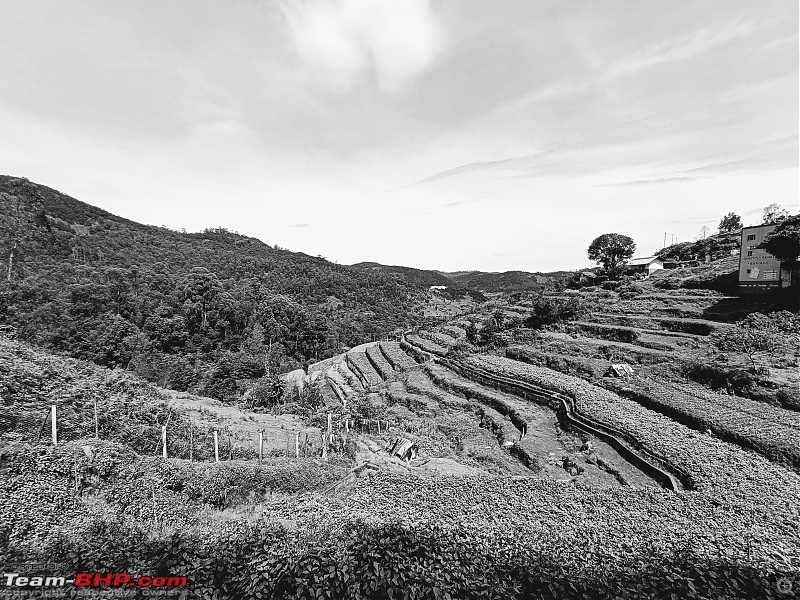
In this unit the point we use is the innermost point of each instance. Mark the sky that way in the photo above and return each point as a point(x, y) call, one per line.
point(446, 134)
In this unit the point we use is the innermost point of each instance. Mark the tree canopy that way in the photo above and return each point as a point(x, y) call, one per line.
point(730, 223)
point(784, 241)
point(612, 251)
point(774, 214)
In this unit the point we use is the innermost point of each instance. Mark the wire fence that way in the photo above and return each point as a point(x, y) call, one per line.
point(172, 433)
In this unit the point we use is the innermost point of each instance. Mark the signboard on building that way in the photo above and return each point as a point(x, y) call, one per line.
point(757, 268)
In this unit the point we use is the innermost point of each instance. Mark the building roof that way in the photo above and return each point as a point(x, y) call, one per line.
point(641, 262)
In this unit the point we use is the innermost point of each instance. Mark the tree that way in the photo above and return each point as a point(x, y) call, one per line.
point(499, 317)
point(472, 332)
point(612, 250)
point(20, 211)
point(730, 223)
point(757, 335)
point(774, 214)
point(704, 232)
point(549, 311)
point(784, 241)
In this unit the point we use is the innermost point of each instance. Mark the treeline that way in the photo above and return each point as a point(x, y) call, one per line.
point(187, 310)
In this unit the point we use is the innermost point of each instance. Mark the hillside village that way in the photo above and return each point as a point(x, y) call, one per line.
point(270, 424)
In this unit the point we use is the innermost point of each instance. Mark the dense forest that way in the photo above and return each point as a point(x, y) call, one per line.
point(187, 310)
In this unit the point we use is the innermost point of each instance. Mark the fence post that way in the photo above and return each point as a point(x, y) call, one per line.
point(324, 446)
point(216, 447)
point(191, 442)
point(379, 425)
point(75, 462)
point(260, 446)
point(297, 445)
point(230, 446)
point(346, 426)
point(164, 439)
point(96, 422)
point(53, 426)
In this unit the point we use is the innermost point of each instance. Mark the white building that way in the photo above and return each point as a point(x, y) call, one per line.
point(647, 265)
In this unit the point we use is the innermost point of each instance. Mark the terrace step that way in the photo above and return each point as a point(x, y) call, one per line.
point(644, 459)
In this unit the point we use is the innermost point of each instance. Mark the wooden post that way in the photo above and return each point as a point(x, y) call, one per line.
point(305, 445)
point(330, 416)
point(41, 427)
point(191, 442)
point(230, 446)
point(324, 446)
point(53, 425)
point(216, 447)
point(346, 426)
point(96, 422)
point(297, 445)
point(260, 446)
point(379, 425)
point(164, 440)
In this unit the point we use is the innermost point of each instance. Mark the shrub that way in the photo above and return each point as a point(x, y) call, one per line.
point(266, 392)
point(547, 310)
point(614, 333)
point(630, 291)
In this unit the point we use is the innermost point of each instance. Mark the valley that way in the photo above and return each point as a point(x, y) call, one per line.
point(239, 427)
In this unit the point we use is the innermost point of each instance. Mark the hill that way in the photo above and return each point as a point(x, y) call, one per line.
point(177, 306)
point(423, 279)
point(508, 281)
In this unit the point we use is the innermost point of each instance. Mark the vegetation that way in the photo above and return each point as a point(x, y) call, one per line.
point(774, 214)
point(730, 223)
point(784, 241)
point(224, 315)
point(549, 310)
point(759, 335)
point(612, 251)
point(190, 311)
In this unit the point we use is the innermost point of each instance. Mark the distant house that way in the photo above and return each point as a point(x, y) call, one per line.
point(587, 277)
point(438, 287)
point(647, 265)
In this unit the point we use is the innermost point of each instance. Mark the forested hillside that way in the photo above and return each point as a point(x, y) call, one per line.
point(508, 281)
point(424, 278)
point(176, 307)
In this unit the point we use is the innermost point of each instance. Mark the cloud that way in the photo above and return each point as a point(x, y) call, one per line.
point(687, 47)
point(651, 181)
point(463, 169)
point(464, 201)
point(340, 40)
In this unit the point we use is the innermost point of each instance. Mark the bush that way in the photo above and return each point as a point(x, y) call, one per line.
point(630, 291)
point(718, 376)
point(614, 333)
point(549, 311)
point(266, 392)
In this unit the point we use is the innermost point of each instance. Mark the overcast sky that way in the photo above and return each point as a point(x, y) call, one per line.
point(456, 134)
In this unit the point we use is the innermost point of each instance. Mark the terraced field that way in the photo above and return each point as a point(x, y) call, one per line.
point(361, 366)
point(501, 493)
